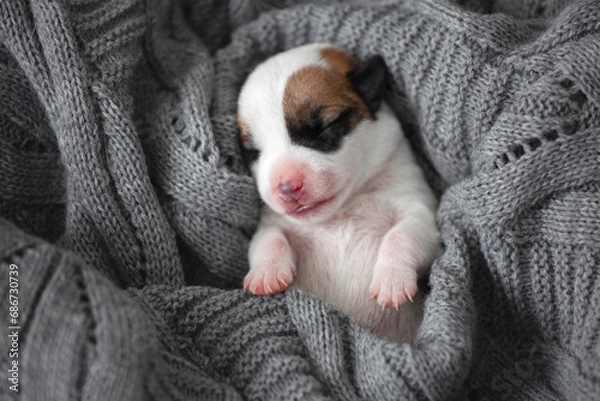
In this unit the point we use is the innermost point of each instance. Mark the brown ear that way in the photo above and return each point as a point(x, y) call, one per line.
point(244, 131)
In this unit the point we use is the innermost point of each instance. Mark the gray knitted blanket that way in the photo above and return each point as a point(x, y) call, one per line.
point(126, 209)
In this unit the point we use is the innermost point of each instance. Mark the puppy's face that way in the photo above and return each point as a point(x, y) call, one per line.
point(308, 123)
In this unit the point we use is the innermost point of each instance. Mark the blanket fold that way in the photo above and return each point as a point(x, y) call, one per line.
point(127, 210)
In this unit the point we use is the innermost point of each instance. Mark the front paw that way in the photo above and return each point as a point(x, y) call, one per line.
point(393, 287)
point(269, 280)
point(272, 267)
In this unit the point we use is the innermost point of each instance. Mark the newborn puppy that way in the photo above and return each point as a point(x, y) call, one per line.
point(348, 215)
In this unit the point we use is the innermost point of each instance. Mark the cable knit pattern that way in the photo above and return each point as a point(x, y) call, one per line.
point(127, 208)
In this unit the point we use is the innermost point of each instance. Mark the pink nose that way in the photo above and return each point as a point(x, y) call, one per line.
point(291, 191)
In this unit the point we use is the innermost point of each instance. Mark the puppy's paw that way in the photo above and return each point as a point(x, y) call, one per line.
point(271, 266)
point(269, 280)
point(393, 287)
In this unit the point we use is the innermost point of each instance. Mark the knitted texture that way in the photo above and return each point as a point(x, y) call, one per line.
point(127, 209)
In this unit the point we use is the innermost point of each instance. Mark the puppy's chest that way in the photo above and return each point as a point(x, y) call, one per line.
point(346, 246)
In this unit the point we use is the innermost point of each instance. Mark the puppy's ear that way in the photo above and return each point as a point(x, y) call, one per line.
point(370, 80)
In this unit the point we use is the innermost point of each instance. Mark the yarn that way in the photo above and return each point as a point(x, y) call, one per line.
point(126, 205)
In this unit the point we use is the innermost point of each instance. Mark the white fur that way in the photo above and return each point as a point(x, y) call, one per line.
point(376, 236)
point(261, 106)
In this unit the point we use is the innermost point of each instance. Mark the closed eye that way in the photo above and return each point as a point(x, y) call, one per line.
point(341, 121)
point(250, 155)
point(324, 136)
point(248, 151)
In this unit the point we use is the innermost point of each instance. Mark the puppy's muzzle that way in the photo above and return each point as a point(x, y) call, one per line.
point(291, 191)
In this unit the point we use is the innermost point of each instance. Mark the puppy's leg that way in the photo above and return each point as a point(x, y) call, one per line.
point(406, 253)
point(272, 264)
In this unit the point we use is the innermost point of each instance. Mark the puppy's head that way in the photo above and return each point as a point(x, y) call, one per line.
point(312, 129)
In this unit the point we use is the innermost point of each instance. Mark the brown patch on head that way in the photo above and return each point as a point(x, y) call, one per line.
point(326, 88)
point(244, 131)
point(338, 60)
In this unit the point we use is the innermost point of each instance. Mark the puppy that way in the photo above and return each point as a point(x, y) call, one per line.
point(348, 215)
